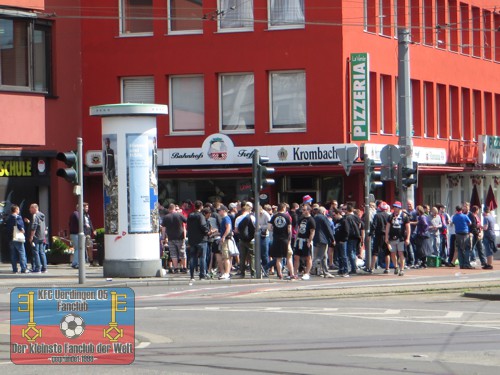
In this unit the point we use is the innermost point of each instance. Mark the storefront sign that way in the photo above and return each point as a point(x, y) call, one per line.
point(424, 155)
point(489, 149)
point(218, 149)
point(360, 97)
point(15, 168)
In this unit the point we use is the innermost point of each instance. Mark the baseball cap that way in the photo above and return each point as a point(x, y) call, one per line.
point(397, 204)
point(307, 199)
point(249, 204)
point(383, 206)
point(232, 205)
point(222, 208)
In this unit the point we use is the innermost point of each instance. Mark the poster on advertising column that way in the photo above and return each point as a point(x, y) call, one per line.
point(110, 183)
point(142, 183)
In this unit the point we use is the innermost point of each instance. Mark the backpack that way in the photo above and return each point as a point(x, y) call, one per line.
point(352, 227)
point(246, 229)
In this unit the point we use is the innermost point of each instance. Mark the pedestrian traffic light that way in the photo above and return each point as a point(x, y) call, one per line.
point(410, 175)
point(372, 177)
point(70, 174)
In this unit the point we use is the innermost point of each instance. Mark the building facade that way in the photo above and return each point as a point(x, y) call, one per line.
point(277, 76)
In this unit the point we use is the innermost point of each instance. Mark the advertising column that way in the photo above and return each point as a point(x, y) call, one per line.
point(130, 188)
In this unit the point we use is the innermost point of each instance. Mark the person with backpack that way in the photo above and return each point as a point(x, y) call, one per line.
point(397, 236)
point(303, 243)
point(245, 228)
point(377, 229)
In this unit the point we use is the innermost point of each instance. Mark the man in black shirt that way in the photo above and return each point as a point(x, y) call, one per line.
point(197, 231)
point(174, 236)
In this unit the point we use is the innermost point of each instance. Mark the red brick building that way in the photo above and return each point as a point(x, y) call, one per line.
point(276, 76)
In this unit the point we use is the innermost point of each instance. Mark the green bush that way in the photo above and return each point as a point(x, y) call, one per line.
point(59, 247)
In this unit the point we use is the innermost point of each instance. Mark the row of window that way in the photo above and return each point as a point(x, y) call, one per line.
point(444, 24)
point(287, 96)
point(187, 16)
point(25, 54)
point(439, 111)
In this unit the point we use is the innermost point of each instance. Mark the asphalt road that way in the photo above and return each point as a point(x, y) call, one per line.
point(299, 329)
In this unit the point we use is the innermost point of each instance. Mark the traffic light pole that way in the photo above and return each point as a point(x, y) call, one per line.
point(256, 205)
point(405, 112)
point(368, 242)
point(81, 234)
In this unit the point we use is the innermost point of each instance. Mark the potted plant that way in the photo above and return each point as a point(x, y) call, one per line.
point(99, 240)
point(60, 251)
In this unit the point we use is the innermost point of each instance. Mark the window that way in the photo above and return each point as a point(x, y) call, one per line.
point(237, 102)
point(25, 55)
point(384, 17)
point(465, 28)
point(441, 32)
point(138, 90)
point(370, 15)
point(427, 20)
point(465, 115)
point(477, 115)
point(476, 32)
point(235, 14)
point(415, 20)
point(385, 104)
point(488, 42)
point(453, 20)
point(187, 104)
point(441, 111)
point(136, 17)
point(288, 100)
point(428, 109)
point(286, 13)
point(454, 113)
point(185, 16)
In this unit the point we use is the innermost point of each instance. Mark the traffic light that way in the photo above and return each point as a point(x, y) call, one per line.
point(70, 174)
point(260, 173)
point(372, 177)
point(410, 175)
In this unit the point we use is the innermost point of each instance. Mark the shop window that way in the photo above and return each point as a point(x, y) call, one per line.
point(235, 15)
point(25, 55)
point(187, 104)
point(286, 14)
point(237, 102)
point(138, 90)
point(288, 100)
point(136, 17)
point(185, 16)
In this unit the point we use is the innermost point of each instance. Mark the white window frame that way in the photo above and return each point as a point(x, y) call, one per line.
point(138, 85)
point(122, 23)
point(248, 79)
point(181, 32)
point(172, 108)
point(222, 5)
point(271, 102)
point(285, 25)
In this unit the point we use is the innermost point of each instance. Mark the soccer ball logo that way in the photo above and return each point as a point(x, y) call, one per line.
point(72, 326)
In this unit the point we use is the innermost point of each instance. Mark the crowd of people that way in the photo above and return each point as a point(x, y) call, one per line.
point(297, 241)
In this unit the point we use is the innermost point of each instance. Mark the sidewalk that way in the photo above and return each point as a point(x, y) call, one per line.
point(479, 283)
